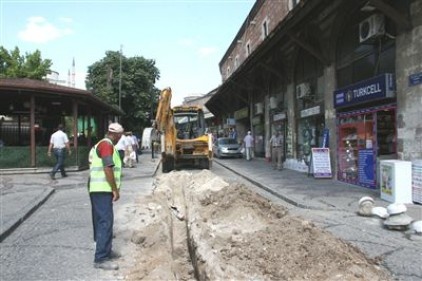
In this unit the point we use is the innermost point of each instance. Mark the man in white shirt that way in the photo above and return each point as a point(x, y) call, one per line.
point(58, 143)
point(129, 158)
point(248, 142)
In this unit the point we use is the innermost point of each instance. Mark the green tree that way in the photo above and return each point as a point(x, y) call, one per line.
point(138, 93)
point(30, 65)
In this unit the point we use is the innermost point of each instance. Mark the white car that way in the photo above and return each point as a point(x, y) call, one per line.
point(227, 147)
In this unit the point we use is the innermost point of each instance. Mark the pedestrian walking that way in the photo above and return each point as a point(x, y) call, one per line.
point(104, 186)
point(248, 143)
point(130, 157)
point(233, 133)
point(120, 146)
point(58, 143)
point(276, 145)
point(135, 141)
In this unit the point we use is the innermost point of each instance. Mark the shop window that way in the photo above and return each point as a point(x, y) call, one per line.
point(363, 140)
point(386, 132)
point(310, 134)
point(355, 135)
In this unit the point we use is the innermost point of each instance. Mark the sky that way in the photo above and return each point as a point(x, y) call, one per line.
point(187, 39)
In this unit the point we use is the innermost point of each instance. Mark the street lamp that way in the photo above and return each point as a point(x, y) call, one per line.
point(120, 79)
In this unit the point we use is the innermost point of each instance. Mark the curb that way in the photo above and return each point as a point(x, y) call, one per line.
point(266, 188)
point(8, 229)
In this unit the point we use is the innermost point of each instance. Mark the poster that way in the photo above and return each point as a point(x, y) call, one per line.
point(386, 180)
point(366, 168)
point(321, 164)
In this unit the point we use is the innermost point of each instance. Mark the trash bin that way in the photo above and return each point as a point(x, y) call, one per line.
point(396, 181)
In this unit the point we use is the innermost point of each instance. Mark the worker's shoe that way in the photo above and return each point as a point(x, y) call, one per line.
point(114, 255)
point(106, 265)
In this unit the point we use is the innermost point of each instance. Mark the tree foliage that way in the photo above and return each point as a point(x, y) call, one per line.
point(138, 95)
point(30, 65)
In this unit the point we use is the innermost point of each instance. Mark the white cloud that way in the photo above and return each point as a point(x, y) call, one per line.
point(206, 51)
point(66, 19)
point(39, 30)
point(186, 42)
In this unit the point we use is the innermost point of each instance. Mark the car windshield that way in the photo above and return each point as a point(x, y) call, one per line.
point(227, 141)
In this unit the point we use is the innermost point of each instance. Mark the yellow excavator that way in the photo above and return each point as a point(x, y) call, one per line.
point(183, 136)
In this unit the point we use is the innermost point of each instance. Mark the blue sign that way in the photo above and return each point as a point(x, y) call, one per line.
point(325, 138)
point(378, 87)
point(366, 164)
point(415, 79)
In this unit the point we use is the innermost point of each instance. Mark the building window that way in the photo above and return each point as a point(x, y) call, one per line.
point(293, 3)
point(248, 49)
point(358, 61)
point(265, 29)
point(236, 62)
point(228, 71)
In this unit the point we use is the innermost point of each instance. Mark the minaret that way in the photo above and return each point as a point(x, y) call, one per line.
point(68, 77)
point(73, 73)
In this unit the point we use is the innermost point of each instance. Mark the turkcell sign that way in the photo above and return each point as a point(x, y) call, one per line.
point(378, 87)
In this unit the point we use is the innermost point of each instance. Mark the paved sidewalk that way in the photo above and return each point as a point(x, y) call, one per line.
point(333, 206)
point(305, 191)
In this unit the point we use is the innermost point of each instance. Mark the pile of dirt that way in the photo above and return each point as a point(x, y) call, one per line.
point(234, 234)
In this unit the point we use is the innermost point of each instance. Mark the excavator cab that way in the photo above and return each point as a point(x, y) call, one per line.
point(184, 140)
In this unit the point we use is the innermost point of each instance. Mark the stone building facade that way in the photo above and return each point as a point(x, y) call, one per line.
point(346, 75)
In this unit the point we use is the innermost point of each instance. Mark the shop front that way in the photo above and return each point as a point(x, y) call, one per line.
point(366, 129)
point(242, 122)
point(310, 131)
point(279, 123)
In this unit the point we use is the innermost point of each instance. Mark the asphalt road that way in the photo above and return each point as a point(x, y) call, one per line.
point(55, 242)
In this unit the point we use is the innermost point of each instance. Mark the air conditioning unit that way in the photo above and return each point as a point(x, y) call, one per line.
point(259, 108)
point(303, 90)
point(371, 27)
point(273, 102)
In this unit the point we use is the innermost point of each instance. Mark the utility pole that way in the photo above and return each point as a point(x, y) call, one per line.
point(120, 78)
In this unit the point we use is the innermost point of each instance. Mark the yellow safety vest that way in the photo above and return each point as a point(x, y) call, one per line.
point(98, 181)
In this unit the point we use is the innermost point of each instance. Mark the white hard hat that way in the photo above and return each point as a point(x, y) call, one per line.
point(115, 128)
point(380, 212)
point(398, 222)
point(417, 227)
point(396, 208)
point(366, 198)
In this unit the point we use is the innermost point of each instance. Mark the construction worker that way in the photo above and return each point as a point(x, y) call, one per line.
point(104, 185)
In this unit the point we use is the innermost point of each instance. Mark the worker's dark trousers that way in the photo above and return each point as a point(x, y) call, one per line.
point(102, 216)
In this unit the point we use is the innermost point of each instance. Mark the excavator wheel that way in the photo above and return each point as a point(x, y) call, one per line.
point(205, 164)
point(167, 164)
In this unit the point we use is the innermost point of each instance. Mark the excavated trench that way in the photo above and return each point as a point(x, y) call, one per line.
point(195, 226)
